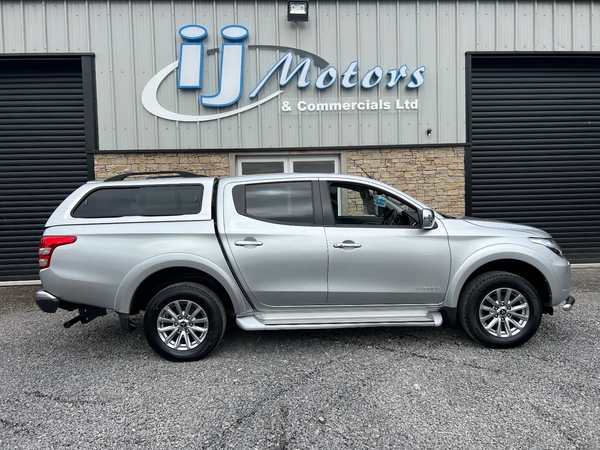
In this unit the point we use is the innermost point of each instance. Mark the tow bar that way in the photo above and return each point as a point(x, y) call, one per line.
point(86, 315)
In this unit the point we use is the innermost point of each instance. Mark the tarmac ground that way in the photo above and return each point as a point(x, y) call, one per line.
point(94, 386)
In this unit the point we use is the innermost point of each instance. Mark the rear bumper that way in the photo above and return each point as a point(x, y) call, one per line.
point(46, 301)
point(50, 303)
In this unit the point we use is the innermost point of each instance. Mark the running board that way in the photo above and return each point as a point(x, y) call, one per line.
point(349, 318)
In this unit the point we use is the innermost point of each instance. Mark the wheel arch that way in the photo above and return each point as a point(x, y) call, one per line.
point(516, 267)
point(156, 282)
point(518, 263)
point(147, 279)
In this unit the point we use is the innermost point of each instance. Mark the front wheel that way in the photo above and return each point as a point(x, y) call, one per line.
point(184, 322)
point(500, 309)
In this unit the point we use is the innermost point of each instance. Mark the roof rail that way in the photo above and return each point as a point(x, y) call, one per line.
point(166, 174)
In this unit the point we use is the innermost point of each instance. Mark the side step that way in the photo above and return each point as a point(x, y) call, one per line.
point(346, 318)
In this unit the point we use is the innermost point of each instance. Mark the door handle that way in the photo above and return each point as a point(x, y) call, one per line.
point(245, 243)
point(346, 244)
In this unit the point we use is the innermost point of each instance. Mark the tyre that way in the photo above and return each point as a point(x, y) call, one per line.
point(184, 322)
point(500, 309)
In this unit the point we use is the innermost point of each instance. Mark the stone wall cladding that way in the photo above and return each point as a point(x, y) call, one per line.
point(435, 176)
point(212, 164)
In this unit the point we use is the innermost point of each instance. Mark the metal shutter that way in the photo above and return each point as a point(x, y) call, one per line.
point(42, 153)
point(535, 154)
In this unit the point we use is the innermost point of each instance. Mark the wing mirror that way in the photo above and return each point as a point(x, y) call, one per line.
point(427, 217)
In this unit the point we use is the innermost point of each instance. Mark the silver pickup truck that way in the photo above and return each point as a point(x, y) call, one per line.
point(290, 251)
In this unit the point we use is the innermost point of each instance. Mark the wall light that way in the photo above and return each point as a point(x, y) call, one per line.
point(297, 12)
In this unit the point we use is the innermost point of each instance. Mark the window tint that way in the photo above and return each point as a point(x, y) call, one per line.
point(141, 201)
point(289, 203)
point(354, 204)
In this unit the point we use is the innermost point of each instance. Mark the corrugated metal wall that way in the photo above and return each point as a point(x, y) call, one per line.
point(133, 40)
point(42, 153)
point(536, 146)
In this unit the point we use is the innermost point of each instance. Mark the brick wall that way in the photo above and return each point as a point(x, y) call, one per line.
point(434, 176)
point(213, 164)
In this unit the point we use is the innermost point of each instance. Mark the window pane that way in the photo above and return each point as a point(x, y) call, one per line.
point(281, 202)
point(359, 205)
point(314, 166)
point(141, 201)
point(171, 200)
point(251, 168)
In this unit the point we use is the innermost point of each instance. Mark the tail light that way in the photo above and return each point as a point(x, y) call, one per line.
point(47, 246)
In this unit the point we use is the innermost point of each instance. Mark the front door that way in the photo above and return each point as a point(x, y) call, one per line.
point(378, 253)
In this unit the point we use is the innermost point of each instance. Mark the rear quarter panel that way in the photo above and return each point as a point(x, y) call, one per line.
point(91, 270)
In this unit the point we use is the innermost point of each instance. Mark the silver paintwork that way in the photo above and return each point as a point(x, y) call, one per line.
point(389, 266)
point(110, 261)
point(288, 269)
point(62, 214)
point(474, 243)
point(284, 276)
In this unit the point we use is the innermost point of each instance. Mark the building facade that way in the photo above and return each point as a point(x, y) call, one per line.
point(487, 108)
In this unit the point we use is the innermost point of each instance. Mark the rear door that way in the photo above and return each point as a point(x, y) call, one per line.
point(276, 241)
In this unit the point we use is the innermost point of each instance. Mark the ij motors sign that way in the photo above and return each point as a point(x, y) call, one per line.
point(190, 66)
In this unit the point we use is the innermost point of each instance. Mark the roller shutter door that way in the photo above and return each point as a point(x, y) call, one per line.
point(42, 153)
point(535, 153)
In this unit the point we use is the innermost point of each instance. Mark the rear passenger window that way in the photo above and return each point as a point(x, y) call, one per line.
point(288, 203)
point(141, 201)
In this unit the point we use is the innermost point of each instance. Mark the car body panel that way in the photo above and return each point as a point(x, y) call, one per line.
point(62, 216)
point(300, 276)
point(288, 269)
point(94, 269)
point(472, 246)
point(402, 265)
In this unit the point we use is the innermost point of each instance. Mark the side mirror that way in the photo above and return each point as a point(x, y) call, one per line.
point(427, 218)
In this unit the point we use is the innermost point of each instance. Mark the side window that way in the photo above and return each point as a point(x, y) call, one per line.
point(141, 201)
point(288, 203)
point(355, 204)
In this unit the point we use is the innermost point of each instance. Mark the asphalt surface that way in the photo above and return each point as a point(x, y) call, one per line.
point(93, 386)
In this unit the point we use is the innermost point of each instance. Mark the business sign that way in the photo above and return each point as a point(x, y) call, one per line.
point(190, 68)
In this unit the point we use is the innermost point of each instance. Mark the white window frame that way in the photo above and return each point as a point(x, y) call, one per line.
point(288, 161)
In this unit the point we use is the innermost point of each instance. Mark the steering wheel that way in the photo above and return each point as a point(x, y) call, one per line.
point(406, 219)
point(390, 217)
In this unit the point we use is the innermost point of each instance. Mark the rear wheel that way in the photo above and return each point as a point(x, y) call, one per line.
point(184, 322)
point(500, 309)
